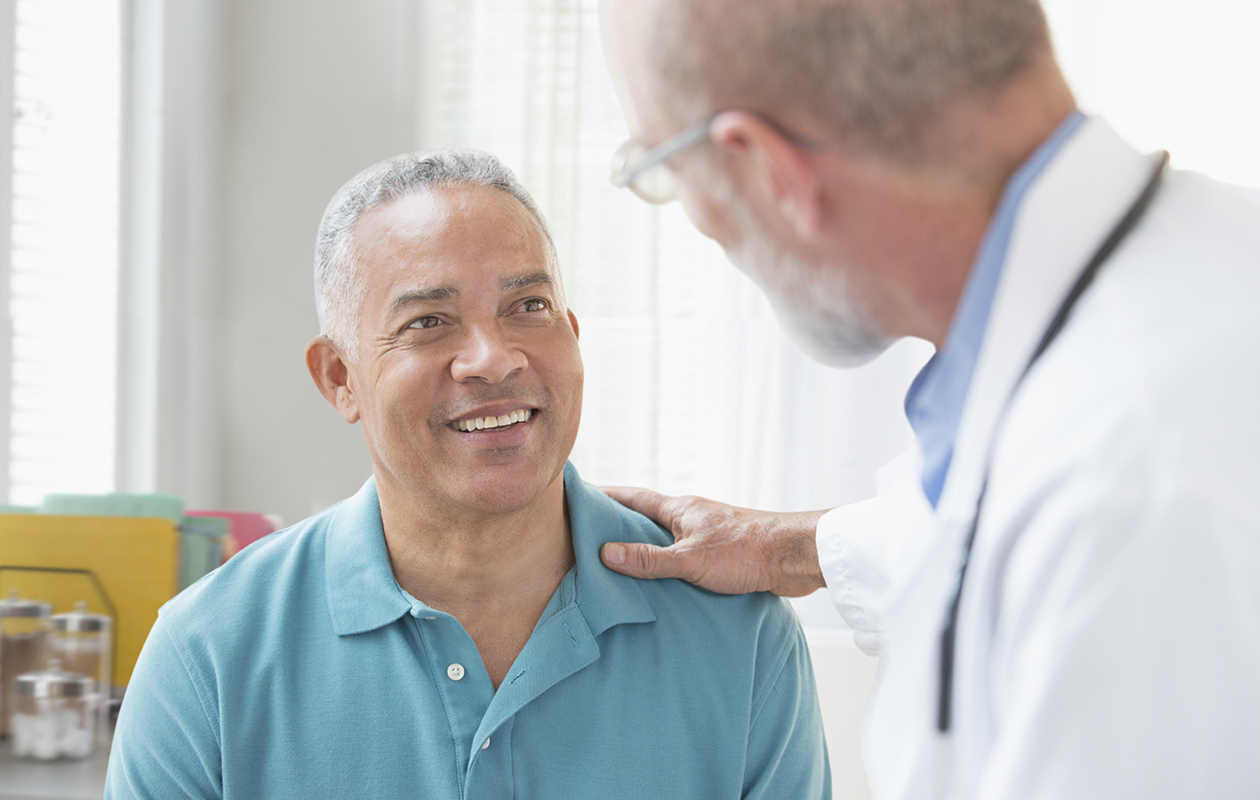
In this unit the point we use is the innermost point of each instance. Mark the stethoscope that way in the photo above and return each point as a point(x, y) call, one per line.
point(1130, 220)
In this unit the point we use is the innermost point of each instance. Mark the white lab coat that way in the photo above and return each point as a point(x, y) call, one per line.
point(1109, 633)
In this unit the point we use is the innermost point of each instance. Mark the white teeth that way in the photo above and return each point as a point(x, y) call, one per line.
point(481, 423)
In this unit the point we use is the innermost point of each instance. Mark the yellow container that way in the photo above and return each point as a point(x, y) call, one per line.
point(135, 559)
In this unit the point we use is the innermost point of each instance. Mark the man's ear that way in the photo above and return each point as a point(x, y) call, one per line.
point(573, 323)
point(328, 367)
point(784, 170)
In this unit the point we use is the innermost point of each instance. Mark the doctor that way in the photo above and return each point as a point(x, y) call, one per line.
point(1088, 433)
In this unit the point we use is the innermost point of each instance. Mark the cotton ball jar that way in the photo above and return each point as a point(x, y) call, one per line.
point(54, 715)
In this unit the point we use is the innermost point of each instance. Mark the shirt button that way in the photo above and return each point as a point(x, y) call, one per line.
point(455, 671)
point(486, 743)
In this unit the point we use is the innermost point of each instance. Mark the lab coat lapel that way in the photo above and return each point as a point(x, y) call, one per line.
point(1065, 217)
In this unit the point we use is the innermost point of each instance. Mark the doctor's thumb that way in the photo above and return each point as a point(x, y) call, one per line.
point(639, 560)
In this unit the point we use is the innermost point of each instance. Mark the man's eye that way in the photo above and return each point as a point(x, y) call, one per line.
point(534, 304)
point(426, 322)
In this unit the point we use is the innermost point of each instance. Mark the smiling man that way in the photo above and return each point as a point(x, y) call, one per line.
point(448, 631)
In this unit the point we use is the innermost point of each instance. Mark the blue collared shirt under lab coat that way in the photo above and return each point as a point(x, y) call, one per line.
point(934, 403)
point(301, 669)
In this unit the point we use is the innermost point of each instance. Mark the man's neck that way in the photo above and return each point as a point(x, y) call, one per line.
point(494, 572)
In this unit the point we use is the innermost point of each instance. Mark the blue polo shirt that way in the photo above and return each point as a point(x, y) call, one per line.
point(301, 669)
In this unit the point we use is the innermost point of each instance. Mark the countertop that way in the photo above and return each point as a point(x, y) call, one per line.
point(56, 780)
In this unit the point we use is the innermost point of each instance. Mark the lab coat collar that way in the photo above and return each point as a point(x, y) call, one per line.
point(363, 594)
point(1067, 213)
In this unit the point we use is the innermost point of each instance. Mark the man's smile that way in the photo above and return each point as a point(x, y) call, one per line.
point(494, 423)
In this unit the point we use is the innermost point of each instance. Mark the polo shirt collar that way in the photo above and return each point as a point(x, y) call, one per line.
point(606, 598)
point(362, 592)
point(364, 595)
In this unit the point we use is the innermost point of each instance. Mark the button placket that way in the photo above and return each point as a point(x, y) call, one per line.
point(464, 688)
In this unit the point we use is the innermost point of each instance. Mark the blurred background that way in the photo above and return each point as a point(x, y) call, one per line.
point(163, 168)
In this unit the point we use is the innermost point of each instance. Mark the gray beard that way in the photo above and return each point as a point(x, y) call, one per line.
point(812, 300)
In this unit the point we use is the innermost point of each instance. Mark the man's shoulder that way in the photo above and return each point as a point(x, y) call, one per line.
point(682, 608)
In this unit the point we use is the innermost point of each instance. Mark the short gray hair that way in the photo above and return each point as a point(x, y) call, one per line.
point(339, 283)
point(876, 73)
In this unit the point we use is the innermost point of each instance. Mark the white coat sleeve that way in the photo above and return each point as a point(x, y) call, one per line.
point(864, 548)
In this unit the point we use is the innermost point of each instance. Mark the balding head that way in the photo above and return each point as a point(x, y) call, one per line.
point(876, 73)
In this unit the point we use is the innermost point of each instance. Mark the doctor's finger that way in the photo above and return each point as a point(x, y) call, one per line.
point(641, 560)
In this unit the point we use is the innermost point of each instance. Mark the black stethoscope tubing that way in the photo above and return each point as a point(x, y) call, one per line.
point(1130, 220)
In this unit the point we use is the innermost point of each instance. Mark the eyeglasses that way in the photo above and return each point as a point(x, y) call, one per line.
point(645, 171)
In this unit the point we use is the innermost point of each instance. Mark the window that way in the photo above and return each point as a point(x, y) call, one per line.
point(61, 264)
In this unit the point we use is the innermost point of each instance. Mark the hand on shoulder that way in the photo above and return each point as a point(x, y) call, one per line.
point(719, 547)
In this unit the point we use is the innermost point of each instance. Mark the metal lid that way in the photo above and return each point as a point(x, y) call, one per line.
point(79, 621)
point(14, 606)
point(54, 682)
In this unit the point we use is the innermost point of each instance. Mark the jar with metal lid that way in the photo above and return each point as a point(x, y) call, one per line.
point(55, 714)
point(23, 646)
point(82, 642)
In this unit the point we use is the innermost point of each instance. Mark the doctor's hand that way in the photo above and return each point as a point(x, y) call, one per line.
point(719, 547)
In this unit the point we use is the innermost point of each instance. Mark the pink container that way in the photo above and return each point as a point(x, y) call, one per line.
point(247, 526)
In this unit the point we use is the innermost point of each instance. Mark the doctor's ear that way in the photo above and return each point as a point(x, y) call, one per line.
point(331, 373)
point(777, 164)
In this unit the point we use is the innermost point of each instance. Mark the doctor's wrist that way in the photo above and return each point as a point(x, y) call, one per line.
point(791, 554)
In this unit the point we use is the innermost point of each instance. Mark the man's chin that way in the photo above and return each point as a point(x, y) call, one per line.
point(845, 343)
point(832, 352)
point(830, 332)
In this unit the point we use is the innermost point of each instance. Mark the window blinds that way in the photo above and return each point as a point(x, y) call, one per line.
point(63, 265)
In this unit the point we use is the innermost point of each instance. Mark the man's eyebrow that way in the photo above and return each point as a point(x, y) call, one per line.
point(433, 295)
point(522, 281)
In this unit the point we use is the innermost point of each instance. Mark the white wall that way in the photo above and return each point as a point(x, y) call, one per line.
point(313, 93)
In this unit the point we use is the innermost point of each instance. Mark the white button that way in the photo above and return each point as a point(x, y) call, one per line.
point(455, 671)
point(486, 743)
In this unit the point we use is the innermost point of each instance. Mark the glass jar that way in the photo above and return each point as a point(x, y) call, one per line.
point(83, 644)
point(81, 641)
point(55, 714)
point(23, 646)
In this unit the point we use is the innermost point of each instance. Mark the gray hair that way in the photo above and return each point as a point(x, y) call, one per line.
point(339, 284)
point(876, 73)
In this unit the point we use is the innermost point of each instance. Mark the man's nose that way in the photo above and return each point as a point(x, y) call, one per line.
point(487, 355)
